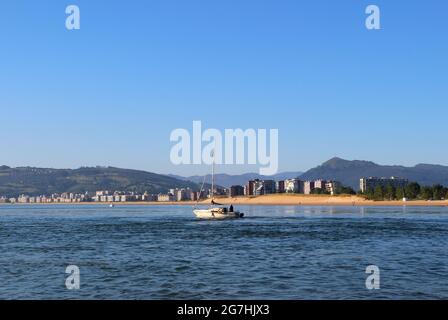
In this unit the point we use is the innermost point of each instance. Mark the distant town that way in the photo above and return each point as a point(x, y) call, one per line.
point(368, 186)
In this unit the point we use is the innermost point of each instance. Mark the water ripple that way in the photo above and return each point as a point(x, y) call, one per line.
point(163, 252)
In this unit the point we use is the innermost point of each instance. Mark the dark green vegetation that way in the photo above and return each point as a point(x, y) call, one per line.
point(319, 191)
point(412, 191)
point(349, 172)
point(40, 181)
point(341, 190)
point(346, 190)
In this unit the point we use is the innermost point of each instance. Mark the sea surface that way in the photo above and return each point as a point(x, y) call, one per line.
point(163, 252)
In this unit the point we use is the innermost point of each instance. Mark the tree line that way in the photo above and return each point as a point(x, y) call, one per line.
point(412, 191)
point(340, 190)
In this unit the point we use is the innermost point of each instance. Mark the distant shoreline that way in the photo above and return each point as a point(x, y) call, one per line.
point(271, 200)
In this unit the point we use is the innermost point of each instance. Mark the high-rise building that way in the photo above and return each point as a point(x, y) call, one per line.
point(333, 187)
point(319, 184)
point(293, 186)
point(194, 195)
point(280, 186)
point(262, 187)
point(236, 191)
point(250, 188)
point(308, 186)
point(269, 186)
point(181, 194)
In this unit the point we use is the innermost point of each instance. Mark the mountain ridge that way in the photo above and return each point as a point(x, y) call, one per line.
point(38, 181)
point(45, 181)
point(348, 172)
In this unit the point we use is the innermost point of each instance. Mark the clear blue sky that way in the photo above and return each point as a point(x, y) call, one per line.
point(111, 93)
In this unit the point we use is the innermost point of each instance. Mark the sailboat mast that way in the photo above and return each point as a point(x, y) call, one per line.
point(213, 175)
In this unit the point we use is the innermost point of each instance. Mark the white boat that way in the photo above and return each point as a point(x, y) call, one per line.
point(215, 212)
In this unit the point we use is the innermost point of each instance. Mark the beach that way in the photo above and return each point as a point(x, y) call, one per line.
point(275, 200)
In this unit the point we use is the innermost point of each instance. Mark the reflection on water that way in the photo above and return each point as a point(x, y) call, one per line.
point(163, 252)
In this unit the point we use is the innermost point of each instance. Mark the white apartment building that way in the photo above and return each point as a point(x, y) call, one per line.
point(293, 186)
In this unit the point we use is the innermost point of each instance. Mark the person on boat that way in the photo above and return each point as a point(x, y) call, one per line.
point(231, 208)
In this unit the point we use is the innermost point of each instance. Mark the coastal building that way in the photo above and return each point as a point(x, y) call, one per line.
point(269, 186)
point(319, 184)
point(100, 196)
point(202, 194)
point(308, 187)
point(194, 195)
point(262, 187)
point(23, 199)
point(221, 191)
point(149, 197)
point(165, 197)
point(236, 191)
point(371, 183)
point(280, 186)
point(125, 198)
point(249, 188)
point(181, 194)
point(333, 187)
point(293, 186)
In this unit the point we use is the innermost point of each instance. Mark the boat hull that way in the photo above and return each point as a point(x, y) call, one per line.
point(212, 214)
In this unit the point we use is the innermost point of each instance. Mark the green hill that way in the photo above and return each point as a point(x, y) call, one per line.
point(42, 181)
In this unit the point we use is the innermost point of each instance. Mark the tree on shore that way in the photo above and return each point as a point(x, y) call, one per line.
point(378, 194)
point(389, 193)
point(426, 193)
point(346, 190)
point(369, 193)
point(319, 191)
point(399, 193)
point(438, 192)
point(412, 190)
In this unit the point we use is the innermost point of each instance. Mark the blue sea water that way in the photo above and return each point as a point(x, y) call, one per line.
point(163, 252)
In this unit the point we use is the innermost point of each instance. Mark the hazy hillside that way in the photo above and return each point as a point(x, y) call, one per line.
point(37, 181)
point(227, 180)
point(349, 172)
